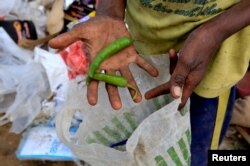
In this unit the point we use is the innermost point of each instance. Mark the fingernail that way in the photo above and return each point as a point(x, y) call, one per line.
point(117, 106)
point(177, 91)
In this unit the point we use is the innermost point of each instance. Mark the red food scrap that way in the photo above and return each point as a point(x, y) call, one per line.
point(76, 59)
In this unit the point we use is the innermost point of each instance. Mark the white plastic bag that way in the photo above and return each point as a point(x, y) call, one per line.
point(10, 53)
point(163, 138)
point(23, 85)
point(26, 10)
point(57, 74)
point(150, 133)
point(55, 67)
point(7, 6)
point(31, 87)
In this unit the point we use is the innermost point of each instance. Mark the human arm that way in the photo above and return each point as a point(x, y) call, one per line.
point(99, 31)
point(112, 8)
point(199, 49)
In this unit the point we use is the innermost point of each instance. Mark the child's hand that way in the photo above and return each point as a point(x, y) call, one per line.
point(193, 60)
point(97, 33)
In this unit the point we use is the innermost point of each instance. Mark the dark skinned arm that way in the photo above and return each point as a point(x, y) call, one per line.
point(198, 50)
point(107, 26)
point(112, 8)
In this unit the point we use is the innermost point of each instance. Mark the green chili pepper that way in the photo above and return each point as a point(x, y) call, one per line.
point(116, 80)
point(108, 51)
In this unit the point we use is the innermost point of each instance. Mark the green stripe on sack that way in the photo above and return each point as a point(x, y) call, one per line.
point(131, 121)
point(120, 126)
point(172, 153)
point(189, 161)
point(102, 138)
point(183, 111)
point(160, 161)
point(90, 140)
point(167, 99)
point(188, 135)
point(156, 103)
point(112, 133)
point(184, 149)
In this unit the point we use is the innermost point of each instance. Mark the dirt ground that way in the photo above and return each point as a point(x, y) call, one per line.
point(9, 143)
point(233, 140)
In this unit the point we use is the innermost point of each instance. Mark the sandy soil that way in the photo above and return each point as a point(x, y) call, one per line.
point(8, 146)
point(234, 140)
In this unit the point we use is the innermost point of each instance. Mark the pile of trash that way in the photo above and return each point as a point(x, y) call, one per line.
point(31, 72)
point(43, 95)
point(34, 77)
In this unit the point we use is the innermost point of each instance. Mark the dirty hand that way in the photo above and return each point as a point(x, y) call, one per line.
point(97, 33)
point(193, 60)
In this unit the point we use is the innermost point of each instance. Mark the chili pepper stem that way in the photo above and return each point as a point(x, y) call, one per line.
point(134, 89)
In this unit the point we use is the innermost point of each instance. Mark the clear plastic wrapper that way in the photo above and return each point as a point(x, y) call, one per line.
point(23, 85)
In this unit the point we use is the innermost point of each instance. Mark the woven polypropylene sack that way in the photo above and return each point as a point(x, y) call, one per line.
point(152, 132)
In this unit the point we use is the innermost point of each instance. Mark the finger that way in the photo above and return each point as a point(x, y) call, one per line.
point(173, 60)
point(191, 82)
point(79, 32)
point(64, 40)
point(126, 73)
point(113, 94)
point(187, 91)
point(141, 62)
point(178, 78)
point(92, 92)
point(157, 91)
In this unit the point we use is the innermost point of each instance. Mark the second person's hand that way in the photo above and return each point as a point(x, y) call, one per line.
point(194, 58)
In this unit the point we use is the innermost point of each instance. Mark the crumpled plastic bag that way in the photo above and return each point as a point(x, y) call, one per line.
point(57, 74)
point(140, 134)
point(25, 10)
point(60, 67)
point(23, 85)
point(10, 53)
point(30, 85)
point(6, 8)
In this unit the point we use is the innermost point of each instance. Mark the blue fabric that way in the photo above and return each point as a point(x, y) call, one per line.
point(203, 115)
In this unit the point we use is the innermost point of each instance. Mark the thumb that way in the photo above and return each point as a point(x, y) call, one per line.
point(178, 79)
point(63, 40)
point(176, 91)
point(173, 58)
